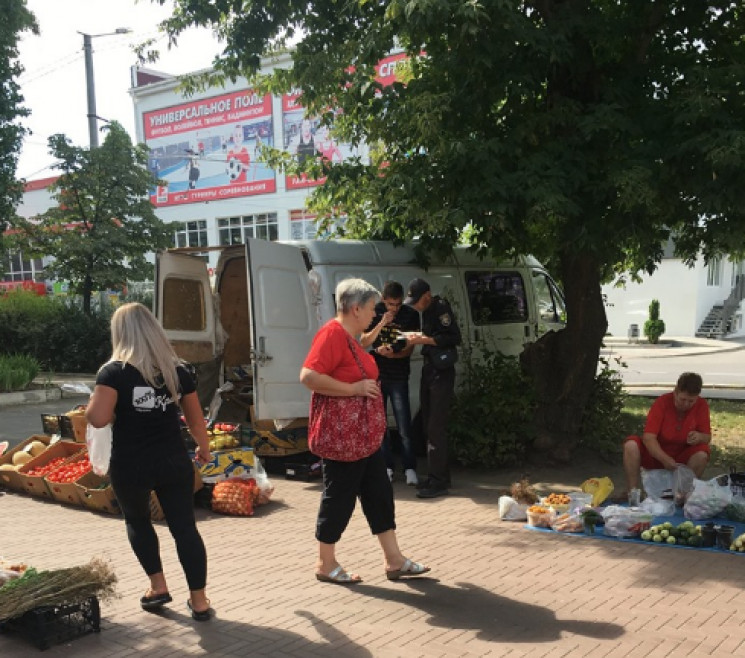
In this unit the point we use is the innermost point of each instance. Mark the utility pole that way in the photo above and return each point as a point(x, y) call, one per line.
point(90, 84)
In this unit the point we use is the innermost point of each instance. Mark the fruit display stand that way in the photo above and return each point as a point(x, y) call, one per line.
point(9, 477)
point(36, 484)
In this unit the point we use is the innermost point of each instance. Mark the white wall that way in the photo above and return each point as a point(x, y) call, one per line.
point(684, 296)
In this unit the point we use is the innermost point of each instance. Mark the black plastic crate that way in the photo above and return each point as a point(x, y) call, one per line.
point(303, 471)
point(66, 427)
point(50, 424)
point(54, 624)
point(737, 483)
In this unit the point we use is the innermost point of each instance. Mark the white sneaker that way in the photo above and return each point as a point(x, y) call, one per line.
point(411, 478)
point(390, 474)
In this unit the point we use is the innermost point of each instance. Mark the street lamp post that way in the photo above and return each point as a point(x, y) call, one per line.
point(90, 85)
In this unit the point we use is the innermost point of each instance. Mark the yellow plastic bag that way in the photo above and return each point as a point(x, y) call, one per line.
point(600, 488)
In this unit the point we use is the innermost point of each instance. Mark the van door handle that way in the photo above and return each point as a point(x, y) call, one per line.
point(260, 356)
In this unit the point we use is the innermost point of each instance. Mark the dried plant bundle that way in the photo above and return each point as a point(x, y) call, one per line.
point(56, 587)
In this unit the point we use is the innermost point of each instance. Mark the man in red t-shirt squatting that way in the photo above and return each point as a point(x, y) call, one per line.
point(677, 431)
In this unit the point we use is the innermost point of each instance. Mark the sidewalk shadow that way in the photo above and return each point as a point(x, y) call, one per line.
point(218, 637)
point(492, 617)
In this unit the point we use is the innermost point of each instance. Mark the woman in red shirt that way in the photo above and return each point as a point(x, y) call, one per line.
point(677, 431)
point(332, 368)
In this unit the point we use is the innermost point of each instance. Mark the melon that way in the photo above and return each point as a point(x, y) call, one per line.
point(21, 457)
point(35, 448)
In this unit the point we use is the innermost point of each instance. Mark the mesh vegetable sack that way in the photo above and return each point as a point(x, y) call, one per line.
point(235, 497)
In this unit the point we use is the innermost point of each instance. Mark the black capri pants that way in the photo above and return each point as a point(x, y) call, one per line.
point(171, 476)
point(343, 483)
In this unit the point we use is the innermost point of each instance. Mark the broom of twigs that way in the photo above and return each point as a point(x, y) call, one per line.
point(59, 586)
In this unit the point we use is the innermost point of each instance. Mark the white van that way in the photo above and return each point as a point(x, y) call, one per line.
point(254, 324)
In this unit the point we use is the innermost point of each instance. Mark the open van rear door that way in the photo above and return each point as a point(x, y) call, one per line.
point(183, 305)
point(283, 323)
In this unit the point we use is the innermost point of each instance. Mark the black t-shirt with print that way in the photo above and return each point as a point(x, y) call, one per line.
point(407, 319)
point(147, 419)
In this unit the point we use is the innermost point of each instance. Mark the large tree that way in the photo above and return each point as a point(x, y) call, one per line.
point(104, 224)
point(586, 132)
point(16, 20)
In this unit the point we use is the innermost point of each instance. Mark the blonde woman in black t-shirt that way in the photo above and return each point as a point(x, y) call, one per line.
point(141, 390)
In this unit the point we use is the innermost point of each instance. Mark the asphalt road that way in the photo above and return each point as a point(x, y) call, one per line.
point(19, 422)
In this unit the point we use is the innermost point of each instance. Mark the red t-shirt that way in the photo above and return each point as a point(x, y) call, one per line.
point(662, 420)
point(330, 355)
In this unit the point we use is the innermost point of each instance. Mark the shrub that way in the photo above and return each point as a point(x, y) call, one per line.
point(55, 331)
point(17, 371)
point(491, 423)
point(654, 327)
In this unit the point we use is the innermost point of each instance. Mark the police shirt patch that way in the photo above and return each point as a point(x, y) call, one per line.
point(445, 319)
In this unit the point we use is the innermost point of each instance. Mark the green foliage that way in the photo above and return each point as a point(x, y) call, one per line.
point(654, 327)
point(17, 371)
point(603, 415)
point(16, 20)
point(491, 421)
point(104, 224)
point(56, 331)
point(585, 133)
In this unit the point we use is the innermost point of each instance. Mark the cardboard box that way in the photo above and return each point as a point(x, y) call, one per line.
point(11, 479)
point(67, 492)
point(275, 443)
point(36, 485)
point(227, 463)
point(95, 497)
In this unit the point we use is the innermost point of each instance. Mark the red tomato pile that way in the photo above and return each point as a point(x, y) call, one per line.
point(71, 472)
point(225, 427)
point(47, 468)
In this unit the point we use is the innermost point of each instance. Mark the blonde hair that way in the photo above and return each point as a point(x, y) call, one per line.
point(138, 339)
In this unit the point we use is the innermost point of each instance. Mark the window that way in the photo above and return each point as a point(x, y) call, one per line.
point(714, 272)
point(17, 268)
point(302, 225)
point(192, 234)
point(548, 298)
point(496, 297)
point(183, 305)
point(236, 230)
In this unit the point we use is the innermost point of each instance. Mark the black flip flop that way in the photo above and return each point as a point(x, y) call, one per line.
point(155, 602)
point(199, 615)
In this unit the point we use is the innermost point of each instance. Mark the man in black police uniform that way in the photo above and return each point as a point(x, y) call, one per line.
point(439, 339)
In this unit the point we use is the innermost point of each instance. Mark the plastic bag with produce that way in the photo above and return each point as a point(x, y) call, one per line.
point(600, 488)
point(625, 521)
point(708, 498)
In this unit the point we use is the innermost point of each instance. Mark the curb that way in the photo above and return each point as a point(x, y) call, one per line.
point(35, 396)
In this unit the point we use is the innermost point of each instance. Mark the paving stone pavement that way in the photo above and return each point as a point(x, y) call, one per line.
point(496, 589)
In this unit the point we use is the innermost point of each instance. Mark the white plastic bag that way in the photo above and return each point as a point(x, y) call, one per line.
point(625, 521)
point(708, 499)
point(99, 440)
point(510, 510)
point(683, 478)
point(657, 481)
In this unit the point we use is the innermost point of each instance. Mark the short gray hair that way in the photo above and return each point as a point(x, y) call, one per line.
point(354, 292)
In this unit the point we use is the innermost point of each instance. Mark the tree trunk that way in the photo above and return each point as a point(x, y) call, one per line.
point(563, 364)
point(87, 293)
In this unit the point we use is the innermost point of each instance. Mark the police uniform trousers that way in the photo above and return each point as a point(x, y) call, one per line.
point(436, 394)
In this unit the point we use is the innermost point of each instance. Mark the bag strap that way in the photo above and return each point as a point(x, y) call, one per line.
point(356, 357)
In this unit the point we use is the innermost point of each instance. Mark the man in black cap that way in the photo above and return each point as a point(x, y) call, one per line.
point(439, 339)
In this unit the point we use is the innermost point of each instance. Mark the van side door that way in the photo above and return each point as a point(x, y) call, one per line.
point(499, 309)
point(183, 305)
point(283, 322)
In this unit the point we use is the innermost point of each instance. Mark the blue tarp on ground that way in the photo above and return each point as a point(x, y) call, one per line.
point(675, 519)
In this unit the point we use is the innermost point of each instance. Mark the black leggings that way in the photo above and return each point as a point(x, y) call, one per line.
point(172, 479)
point(343, 482)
